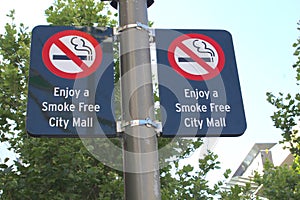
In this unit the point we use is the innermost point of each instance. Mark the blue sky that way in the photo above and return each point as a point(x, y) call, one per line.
point(263, 33)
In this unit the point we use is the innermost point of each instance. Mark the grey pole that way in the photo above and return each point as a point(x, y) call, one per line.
point(141, 168)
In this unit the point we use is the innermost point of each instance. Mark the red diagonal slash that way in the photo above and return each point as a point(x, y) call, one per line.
point(71, 55)
point(196, 58)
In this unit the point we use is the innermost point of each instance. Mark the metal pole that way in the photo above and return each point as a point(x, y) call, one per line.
point(141, 168)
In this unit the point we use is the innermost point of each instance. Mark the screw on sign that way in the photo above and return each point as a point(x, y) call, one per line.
point(196, 57)
point(72, 54)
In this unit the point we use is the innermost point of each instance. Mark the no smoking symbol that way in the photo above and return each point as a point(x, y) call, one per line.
point(72, 54)
point(196, 57)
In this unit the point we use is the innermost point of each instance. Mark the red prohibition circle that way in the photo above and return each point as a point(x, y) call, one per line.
point(212, 73)
point(86, 70)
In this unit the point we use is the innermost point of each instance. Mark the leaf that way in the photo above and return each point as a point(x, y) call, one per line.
point(295, 44)
point(6, 159)
point(3, 166)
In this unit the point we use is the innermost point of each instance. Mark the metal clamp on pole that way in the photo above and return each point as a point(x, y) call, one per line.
point(147, 122)
point(138, 25)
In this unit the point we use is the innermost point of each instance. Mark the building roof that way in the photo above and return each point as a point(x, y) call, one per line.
point(254, 151)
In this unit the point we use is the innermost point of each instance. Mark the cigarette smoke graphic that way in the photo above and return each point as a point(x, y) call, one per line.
point(203, 46)
point(79, 45)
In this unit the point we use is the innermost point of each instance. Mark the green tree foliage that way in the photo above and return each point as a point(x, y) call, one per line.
point(288, 110)
point(47, 168)
point(189, 182)
point(79, 13)
point(283, 182)
point(63, 168)
point(237, 192)
point(14, 54)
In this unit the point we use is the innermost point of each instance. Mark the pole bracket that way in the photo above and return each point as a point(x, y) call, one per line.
point(137, 25)
point(139, 122)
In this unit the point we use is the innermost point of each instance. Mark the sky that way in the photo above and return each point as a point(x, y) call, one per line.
point(263, 33)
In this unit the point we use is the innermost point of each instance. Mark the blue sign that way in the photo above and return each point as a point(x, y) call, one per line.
point(199, 87)
point(70, 92)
